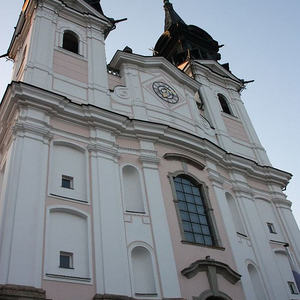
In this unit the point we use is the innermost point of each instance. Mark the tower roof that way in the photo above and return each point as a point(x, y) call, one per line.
point(172, 18)
point(180, 41)
point(95, 4)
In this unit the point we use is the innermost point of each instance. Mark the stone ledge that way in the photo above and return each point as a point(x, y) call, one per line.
point(118, 297)
point(111, 297)
point(20, 292)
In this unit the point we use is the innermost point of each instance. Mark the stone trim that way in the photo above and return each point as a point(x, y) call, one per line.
point(118, 297)
point(208, 265)
point(20, 292)
point(186, 159)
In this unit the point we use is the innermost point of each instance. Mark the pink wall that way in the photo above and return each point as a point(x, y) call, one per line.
point(69, 66)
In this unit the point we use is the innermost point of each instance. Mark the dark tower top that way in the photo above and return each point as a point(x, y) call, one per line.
point(95, 4)
point(181, 42)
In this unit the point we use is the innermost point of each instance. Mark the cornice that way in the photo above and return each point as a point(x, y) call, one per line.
point(37, 132)
point(98, 148)
point(208, 72)
point(84, 114)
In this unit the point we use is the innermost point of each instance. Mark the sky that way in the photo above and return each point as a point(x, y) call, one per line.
point(262, 42)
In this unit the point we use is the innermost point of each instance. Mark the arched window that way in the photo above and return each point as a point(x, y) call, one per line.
point(224, 104)
point(256, 283)
point(143, 273)
point(70, 41)
point(133, 195)
point(193, 211)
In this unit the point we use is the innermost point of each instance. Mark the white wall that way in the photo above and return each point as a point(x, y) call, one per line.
point(67, 231)
point(256, 283)
point(132, 190)
point(69, 161)
point(142, 268)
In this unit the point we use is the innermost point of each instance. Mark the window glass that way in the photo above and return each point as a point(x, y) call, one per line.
point(192, 211)
point(66, 260)
point(224, 104)
point(70, 42)
point(271, 227)
point(67, 182)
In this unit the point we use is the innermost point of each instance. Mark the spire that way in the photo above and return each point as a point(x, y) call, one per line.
point(172, 17)
point(181, 42)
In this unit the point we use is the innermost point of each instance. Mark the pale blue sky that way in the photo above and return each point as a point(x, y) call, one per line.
point(262, 42)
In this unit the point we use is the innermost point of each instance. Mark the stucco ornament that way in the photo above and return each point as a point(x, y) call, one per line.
point(165, 92)
point(122, 92)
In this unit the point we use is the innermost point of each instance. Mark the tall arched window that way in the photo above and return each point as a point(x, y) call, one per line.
point(224, 104)
point(71, 41)
point(143, 273)
point(133, 195)
point(193, 211)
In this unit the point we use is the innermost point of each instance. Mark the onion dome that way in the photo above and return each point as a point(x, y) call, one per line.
point(181, 42)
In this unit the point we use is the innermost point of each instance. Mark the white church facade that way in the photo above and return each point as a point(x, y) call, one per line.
point(138, 179)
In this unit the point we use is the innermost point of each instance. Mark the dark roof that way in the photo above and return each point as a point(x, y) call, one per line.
point(181, 41)
point(95, 4)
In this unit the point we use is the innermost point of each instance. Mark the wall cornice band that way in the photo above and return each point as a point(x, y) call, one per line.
point(55, 104)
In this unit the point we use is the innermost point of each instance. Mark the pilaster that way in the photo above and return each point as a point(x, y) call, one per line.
point(111, 259)
point(23, 213)
point(161, 232)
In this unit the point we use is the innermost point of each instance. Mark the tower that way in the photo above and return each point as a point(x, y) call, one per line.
point(140, 179)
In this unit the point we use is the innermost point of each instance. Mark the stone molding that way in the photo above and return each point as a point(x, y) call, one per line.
point(186, 159)
point(204, 266)
point(121, 124)
point(20, 292)
point(119, 297)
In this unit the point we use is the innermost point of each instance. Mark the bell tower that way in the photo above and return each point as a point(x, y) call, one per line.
point(195, 52)
point(60, 46)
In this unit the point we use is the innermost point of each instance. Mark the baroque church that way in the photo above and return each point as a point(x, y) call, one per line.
point(138, 178)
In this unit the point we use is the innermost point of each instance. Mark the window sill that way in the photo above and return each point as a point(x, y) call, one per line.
point(65, 268)
point(241, 234)
point(146, 294)
point(68, 198)
point(64, 277)
point(75, 55)
point(224, 114)
point(135, 212)
point(67, 188)
point(203, 245)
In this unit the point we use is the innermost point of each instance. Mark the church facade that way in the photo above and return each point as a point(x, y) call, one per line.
point(138, 179)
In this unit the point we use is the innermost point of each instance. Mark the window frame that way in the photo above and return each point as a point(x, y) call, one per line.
point(230, 112)
point(217, 244)
point(271, 228)
point(293, 288)
point(67, 178)
point(75, 36)
point(70, 255)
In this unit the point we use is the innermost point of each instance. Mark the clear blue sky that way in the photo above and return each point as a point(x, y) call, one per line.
point(262, 42)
